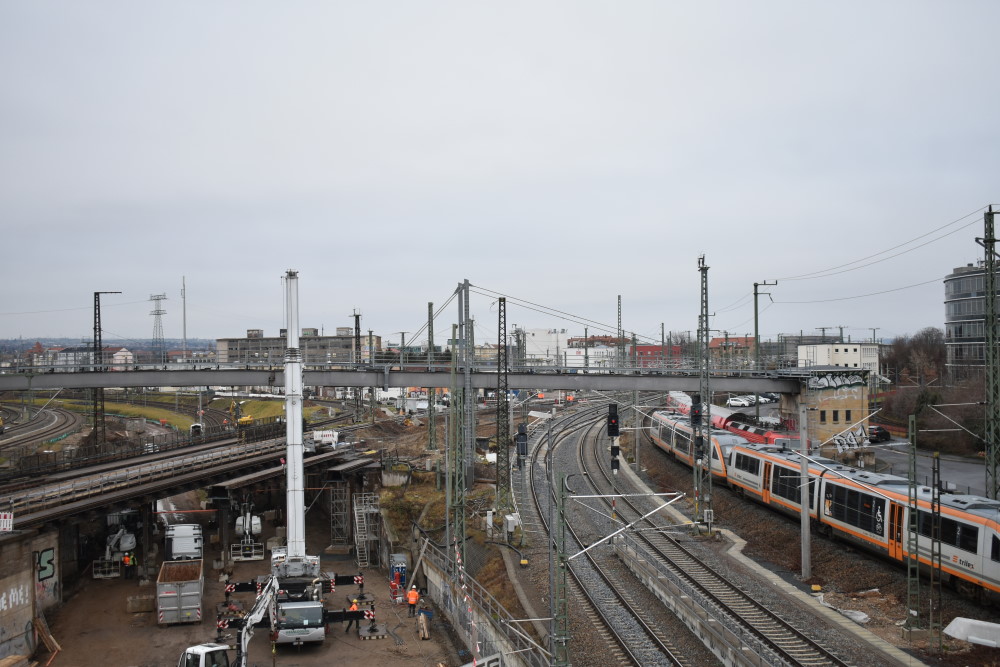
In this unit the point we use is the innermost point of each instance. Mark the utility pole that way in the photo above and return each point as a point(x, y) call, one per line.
point(97, 361)
point(357, 359)
point(703, 430)
point(402, 348)
point(586, 349)
point(431, 391)
point(371, 390)
point(804, 490)
point(504, 504)
point(635, 407)
point(184, 317)
point(620, 343)
point(756, 339)
point(874, 329)
point(992, 359)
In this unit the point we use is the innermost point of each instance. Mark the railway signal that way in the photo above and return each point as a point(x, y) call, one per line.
point(613, 432)
point(613, 420)
point(696, 410)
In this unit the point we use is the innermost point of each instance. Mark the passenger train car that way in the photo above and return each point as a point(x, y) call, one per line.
point(868, 509)
point(872, 511)
point(673, 433)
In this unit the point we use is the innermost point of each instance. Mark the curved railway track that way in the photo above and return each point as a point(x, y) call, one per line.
point(632, 627)
point(775, 640)
point(44, 425)
point(627, 628)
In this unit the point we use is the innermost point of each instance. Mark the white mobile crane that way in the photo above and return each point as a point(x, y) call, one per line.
point(217, 655)
point(292, 571)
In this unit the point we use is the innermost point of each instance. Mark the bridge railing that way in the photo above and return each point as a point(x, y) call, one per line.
point(53, 495)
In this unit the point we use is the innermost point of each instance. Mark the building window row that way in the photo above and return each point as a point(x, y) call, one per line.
point(965, 329)
point(971, 285)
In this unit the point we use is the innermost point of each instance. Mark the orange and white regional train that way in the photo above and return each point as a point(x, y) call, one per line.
point(868, 509)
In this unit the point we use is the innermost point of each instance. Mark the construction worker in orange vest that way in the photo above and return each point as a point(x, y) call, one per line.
point(412, 598)
point(353, 607)
point(126, 561)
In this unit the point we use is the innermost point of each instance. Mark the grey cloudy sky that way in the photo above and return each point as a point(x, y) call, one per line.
point(559, 152)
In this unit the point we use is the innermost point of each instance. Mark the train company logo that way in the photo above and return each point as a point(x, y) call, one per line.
point(963, 562)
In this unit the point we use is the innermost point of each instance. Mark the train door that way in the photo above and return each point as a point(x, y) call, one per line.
point(765, 490)
point(896, 527)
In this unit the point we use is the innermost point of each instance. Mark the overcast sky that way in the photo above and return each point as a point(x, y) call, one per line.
point(561, 153)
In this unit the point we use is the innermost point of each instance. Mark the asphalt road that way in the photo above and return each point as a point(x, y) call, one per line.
point(968, 474)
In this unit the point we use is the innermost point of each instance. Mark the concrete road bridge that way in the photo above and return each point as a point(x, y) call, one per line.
point(548, 378)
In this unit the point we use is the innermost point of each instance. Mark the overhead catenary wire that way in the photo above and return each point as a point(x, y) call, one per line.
point(834, 270)
point(862, 296)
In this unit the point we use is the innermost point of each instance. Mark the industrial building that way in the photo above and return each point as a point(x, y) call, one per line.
point(256, 349)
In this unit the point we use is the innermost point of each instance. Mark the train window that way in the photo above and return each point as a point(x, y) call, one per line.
point(856, 508)
point(683, 442)
point(786, 484)
point(748, 464)
point(995, 549)
point(954, 533)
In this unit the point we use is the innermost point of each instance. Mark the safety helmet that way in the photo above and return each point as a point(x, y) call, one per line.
point(354, 601)
point(414, 587)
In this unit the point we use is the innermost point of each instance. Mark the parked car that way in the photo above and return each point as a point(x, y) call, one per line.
point(878, 434)
point(738, 402)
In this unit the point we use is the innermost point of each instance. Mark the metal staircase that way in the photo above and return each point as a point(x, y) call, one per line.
point(366, 517)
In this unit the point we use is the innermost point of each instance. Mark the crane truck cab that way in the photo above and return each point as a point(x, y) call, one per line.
point(300, 622)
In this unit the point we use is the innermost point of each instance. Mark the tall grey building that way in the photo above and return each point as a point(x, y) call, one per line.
point(965, 320)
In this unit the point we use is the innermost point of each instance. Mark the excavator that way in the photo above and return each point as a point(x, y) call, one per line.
point(217, 655)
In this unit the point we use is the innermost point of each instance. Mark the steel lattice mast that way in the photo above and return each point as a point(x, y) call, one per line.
point(504, 505)
point(702, 429)
point(159, 345)
point(431, 391)
point(991, 358)
point(97, 361)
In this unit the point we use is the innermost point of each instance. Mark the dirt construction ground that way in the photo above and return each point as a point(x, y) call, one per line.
point(94, 628)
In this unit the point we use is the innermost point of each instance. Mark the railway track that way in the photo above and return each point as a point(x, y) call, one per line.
point(774, 640)
point(624, 626)
point(44, 425)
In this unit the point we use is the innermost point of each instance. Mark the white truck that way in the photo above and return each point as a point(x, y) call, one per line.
point(184, 542)
point(300, 622)
point(179, 588)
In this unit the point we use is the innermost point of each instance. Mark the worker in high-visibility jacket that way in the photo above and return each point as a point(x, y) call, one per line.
point(353, 607)
point(412, 598)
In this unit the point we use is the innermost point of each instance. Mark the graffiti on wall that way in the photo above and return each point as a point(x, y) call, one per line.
point(851, 439)
point(46, 581)
point(836, 380)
